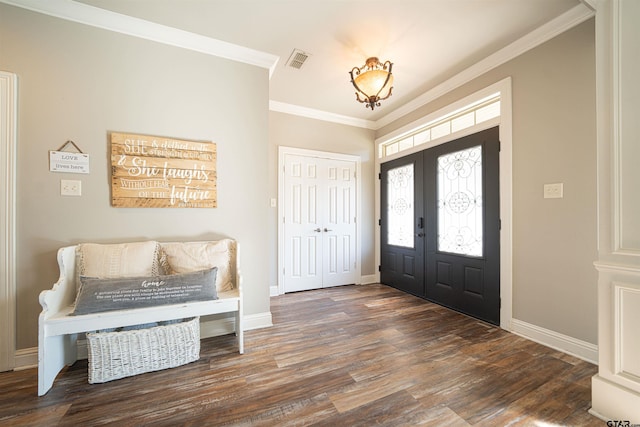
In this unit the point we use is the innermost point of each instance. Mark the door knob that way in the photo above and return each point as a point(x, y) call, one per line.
point(420, 234)
point(327, 230)
point(317, 230)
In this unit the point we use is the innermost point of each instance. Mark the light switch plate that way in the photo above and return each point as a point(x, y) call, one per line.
point(553, 191)
point(69, 187)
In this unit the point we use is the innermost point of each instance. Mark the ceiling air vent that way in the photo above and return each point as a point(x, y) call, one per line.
point(297, 59)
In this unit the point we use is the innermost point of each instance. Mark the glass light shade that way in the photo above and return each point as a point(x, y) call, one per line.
point(372, 83)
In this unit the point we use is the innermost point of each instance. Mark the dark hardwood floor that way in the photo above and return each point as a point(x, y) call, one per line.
point(345, 356)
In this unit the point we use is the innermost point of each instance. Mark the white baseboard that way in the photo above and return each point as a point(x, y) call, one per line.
point(257, 321)
point(364, 280)
point(367, 280)
point(612, 401)
point(28, 358)
point(215, 328)
point(564, 343)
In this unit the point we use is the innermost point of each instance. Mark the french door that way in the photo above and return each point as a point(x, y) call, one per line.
point(440, 224)
point(319, 222)
point(402, 229)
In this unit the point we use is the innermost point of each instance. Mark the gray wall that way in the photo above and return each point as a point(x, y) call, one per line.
point(79, 83)
point(554, 140)
point(300, 132)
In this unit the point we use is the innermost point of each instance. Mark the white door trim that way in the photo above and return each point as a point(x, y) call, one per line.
point(8, 148)
point(282, 152)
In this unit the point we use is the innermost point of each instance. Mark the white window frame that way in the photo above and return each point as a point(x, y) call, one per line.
point(406, 141)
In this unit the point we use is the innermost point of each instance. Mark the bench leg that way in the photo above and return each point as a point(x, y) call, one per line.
point(54, 353)
point(240, 330)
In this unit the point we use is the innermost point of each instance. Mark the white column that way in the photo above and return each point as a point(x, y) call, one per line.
point(8, 147)
point(616, 387)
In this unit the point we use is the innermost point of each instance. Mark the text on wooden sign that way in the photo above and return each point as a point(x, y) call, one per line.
point(157, 172)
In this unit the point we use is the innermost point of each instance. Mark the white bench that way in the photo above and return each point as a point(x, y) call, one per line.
point(58, 328)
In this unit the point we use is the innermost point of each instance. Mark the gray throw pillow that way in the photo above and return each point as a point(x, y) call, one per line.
point(122, 293)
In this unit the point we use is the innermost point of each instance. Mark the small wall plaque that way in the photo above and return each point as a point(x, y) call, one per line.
point(64, 161)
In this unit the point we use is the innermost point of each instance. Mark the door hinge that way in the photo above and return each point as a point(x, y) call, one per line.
point(379, 222)
point(499, 145)
point(379, 176)
point(379, 268)
point(499, 302)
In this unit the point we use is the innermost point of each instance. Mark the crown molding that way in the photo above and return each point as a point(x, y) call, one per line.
point(546, 32)
point(542, 34)
point(124, 24)
point(326, 116)
point(101, 18)
point(591, 4)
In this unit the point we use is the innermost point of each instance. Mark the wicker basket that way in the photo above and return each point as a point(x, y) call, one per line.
point(114, 355)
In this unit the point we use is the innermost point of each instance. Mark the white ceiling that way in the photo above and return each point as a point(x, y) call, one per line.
point(428, 41)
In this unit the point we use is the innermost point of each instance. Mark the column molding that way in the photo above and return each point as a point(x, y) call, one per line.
point(616, 387)
point(8, 147)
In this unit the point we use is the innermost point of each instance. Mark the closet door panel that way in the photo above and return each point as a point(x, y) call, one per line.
point(319, 222)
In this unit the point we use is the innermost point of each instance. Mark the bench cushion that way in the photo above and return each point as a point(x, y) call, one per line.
point(99, 295)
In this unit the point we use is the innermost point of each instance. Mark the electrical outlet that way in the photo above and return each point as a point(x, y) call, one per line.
point(553, 191)
point(70, 187)
point(273, 203)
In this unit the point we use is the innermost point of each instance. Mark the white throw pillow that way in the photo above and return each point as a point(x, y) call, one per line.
point(194, 256)
point(118, 260)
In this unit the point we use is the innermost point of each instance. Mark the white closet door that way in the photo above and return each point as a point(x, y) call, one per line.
point(319, 222)
point(303, 224)
point(339, 231)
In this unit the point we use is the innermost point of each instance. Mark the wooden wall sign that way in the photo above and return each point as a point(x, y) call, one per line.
point(156, 172)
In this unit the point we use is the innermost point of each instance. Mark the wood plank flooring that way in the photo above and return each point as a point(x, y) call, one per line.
point(345, 356)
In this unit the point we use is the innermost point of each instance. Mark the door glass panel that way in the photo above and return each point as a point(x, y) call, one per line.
point(460, 202)
point(400, 206)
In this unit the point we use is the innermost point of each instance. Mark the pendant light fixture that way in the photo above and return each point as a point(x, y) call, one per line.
point(373, 82)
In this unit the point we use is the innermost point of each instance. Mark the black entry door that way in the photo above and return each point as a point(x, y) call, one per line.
point(463, 207)
point(455, 257)
point(402, 224)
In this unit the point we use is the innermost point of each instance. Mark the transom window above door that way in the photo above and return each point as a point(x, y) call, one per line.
point(470, 115)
